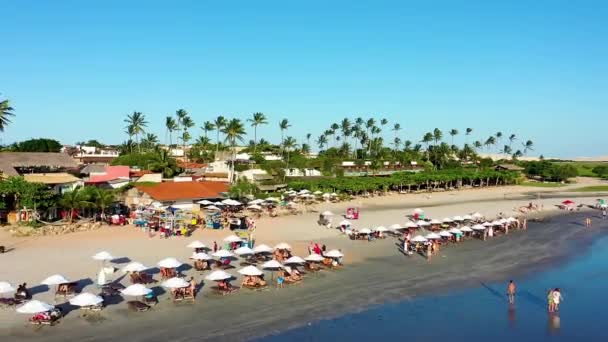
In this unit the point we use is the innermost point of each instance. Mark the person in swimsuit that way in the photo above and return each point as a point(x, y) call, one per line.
point(550, 301)
point(511, 292)
point(557, 298)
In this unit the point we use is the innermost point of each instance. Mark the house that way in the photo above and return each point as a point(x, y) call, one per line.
point(60, 182)
point(509, 167)
point(86, 155)
point(93, 170)
point(148, 178)
point(113, 177)
point(172, 193)
point(19, 163)
point(302, 173)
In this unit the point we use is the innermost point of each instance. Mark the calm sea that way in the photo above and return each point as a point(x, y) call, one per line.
point(483, 313)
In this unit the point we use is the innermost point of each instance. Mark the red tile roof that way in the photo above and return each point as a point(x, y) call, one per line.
point(112, 173)
point(191, 165)
point(174, 191)
point(140, 173)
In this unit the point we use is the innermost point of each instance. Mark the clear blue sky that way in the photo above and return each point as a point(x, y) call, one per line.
point(74, 69)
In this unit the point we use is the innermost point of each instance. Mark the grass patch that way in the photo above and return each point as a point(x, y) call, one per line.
point(584, 168)
point(595, 188)
point(542, 185)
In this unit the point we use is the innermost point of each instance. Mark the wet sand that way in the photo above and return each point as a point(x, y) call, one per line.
point(383, 275)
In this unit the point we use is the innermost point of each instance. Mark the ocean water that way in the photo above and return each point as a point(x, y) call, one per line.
point(483, 313)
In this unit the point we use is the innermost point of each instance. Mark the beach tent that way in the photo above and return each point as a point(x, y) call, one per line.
point(34, 306)
point(334, 253)
point(196, 244)
point(250, 271)
point(175, 283)
point(262, 249)
point(86, 299)
point(218, 276)
point(200, 256)
point(419, 238)
point(169, 263)
point(134, 267)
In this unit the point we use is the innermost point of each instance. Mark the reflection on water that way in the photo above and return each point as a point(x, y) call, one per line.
point(478, 314)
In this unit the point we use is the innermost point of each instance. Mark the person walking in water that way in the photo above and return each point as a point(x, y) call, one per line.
point(550, 304)
point(511, 292)
point(557, 298)
point(588, 222)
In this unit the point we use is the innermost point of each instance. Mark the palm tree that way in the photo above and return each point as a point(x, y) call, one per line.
point(396, 129)
point(334, 128)
point(506, 150)
point(288, 144)
point(208, 126)
point(437, 135)
point(345, 128)
point(5, 112)
point(528, 146)
point(490, 141)
point(75, 199)
point(150, 140)
point(102, 199)
point(165, 164)
point(234, 131)
point(171, 126)
point(427, 138)
point(368, 127)
point(256, 120)
point(322, 141)
point(137, 122)
point(130, 130)
point(181, 115)
point(512, 139)
point(477, 144)
point(453, 132)
point(383, 122)
point(467, 132)
point(308, 136)
point(305, 149)
point(397, 143)
point(283, 126)
point(220, 122)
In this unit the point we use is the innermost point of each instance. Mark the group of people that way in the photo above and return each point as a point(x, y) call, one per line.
point(316, 249)
point(185, 292)
point(253, 281)
point(554, 297)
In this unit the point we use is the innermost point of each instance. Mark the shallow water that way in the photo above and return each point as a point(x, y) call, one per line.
point(483, 313)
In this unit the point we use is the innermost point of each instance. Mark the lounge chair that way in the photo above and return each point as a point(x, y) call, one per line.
point(201, 266)
point(138, 306)
point(47, 318)
point(66, 290)
point(223, 291)
point(9, 302)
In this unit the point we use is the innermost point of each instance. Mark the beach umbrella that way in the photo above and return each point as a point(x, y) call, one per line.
point(222, 253)
point(34, 306)
point(205, 202)
point(314, 258)
point(467, 229)
point(455, 231)
point(233, 238)
point(411, 224)
point(419, 238)
point(325, 195)
point(433, 236)
point(272, 264)
point(418, 211)
point(327, 213)
point(445, 233)
point(56, 279)
point(250, 271)
point(334, 253)
point(175, 283)
point(317, 192)
point(231, 202)
point(103, 256)
point(395, 226)
point(381, 229)
point(136, 290)
point(282, 245)
point(196, 244)
point(134, 267)
point(503, 221)
point(344, 223)
point(477, 216)
point(447, 220)
point(262, 249)
point(273, 199)
point(435, 221)
point(86, 299)
point(254, 207)
point(487, 224)
point(212, 208)
point(243, 251)
point(294, 260)
point(512, 219)
point(255, 201)
point(169, 263)
point(467, 217)
point(6, 287)
point(333, 194)
point(568, 202)
point(457, 218)
point(200, 256)
point(423, 223)
point(496, 223)
point(476, 227)
point(218, 275)
point(365, 231)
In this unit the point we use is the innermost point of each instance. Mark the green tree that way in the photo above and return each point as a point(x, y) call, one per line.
point(512, 139)
point(150, 141)
point(136, 123)
point(453, 132)
point(283, 126)
point(322, 141)
point(288, 144)
point(528, 146)
point(208, 126)
point(220, 122)
point(234, 131)
point(171, 126)
point(72, 200)
point(257, 120)
point(102, 198)
point(6, 111)
point(37, 145)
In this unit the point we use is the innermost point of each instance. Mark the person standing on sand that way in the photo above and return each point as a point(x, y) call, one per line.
point(310, 248)
point(214, 246)
point(525, 224)
point(511, 292)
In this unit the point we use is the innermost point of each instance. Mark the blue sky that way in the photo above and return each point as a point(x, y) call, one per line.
point(539, 69)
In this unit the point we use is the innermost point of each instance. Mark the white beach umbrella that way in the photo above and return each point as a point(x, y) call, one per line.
point(476, 227)
point(175, 283)
point(466, 229)
point(344, 223)
point(419, 238)
point(212, 208)
point(218, 275)
point(233, 238)
point(423, 223)
point(169, 263)
point(103, 256)
point(314, 258)
point(34, 306)
point(327, 213)
point(445, 233)
point(196, 244)
point(222, 253)
point(381, 229)
point(496, 223)
point(254, 207)
point(282, 245)
point(365, 231)
point(272, 264)
point(205, 202)
point(487, 224)
point(333, 194)
point(273, 199)
point(294, 260)
point(447, 220)
point(326, 195)
point(477, 215)
point(455, 231)
point(86, 299)
point(432, 236)
point(255, 201)
point(503, 221)
point(243, 251)
point(334, 253)
point(457, 218)
point(250, 271)
point(55, 279)
point(512, 219)
point(231, 202)
point(6, 287)
point(134, 267)
point(467, 217)
point(317, 192)
point(395, 226)
point(136, 290)
point(418, 211)
point(411, 224)
point(262, 249)
point(200, 256)
point(435, 221)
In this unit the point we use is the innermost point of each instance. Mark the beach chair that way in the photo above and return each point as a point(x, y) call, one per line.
point(47, 318)
point(135, 278)
point(137, 306)
point(66, 290)
point(6, 303)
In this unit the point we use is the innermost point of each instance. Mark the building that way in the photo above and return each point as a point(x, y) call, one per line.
point(86, 155)
point(20, 163)
point(302, 173)
point(175, 193)
point(509, 167)
point(113, 177)
point(60, 182)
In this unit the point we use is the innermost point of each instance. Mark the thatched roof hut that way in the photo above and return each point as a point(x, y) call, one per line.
point(11, 163)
